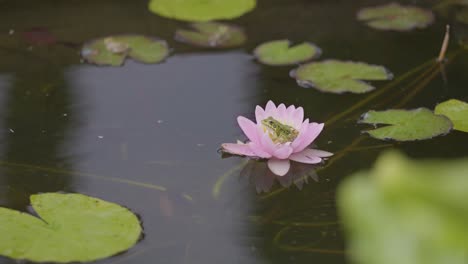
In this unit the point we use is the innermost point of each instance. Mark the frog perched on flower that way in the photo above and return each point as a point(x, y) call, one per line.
point(280, 134)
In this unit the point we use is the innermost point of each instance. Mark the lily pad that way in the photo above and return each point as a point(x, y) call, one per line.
point(394, 16)
point(280, 52)
point(406, 212)
point(335, 76)
point(113, 50)
point(456, 111)
point(201, 10)
point(212, 35)
point(70, 228)
point(406, 125)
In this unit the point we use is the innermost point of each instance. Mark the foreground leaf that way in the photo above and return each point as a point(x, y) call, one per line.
point(407, 212)
point(201, 10)
point(394, 16)
point(113, 50)
point(280, 52)
point(339, 76)
point(406, 125)
point(456, 111)
point(71, 228)
point(212, 35)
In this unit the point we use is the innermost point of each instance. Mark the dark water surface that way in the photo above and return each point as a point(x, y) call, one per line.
point(101, 131)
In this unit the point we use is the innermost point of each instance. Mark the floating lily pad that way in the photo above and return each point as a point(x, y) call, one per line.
point(201, 10)
point(113, 50)
point(339, 76)
point(456, 111)
point(394, 16)
point(280, 52)
point(212, 35)
point(71, 228)
point(407, 125)
point(406, 212)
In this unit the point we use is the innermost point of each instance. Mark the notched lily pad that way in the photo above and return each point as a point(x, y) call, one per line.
point(280, 52)
point(335, 76)
point(394, 16)
point(201, 10)
point(71, 228)
point(212, 35)
point(113, 50)
point(406, 125)
point(456, 111)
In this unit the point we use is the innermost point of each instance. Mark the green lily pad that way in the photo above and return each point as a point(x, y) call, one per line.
point(406, 212)
point(71, 228)
point(335, 76)
point(212, 35)
point(456, 111)
point(394, 16)
point(201, 10)
point(113, 50)
point(280, 52)
point(406, 125)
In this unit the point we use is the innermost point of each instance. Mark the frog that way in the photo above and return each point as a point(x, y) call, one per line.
point(115, 46)
point(279, 132)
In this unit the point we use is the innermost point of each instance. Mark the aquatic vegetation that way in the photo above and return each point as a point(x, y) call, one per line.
point(201, 10)
point(394, 16)
point(212, 35)
point(280, 134)
point(456, 111)
point(113, 50)
point(280, 52)
point(406, 125)
point(335, 76)
point(405, 211)
point(71, 228)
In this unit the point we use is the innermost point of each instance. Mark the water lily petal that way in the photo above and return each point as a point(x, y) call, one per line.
point(258, 150)
point(281, 113)
point(302, 131)
point(313, 131)
point(298, 117)
point(306, 156)
point(259, 114)
point(270, 109)
point(283, 152)
point(267, 144)
point(238, 149)
point(248, 127)
point(290, 112)
point(319, 153)
point(279, 167)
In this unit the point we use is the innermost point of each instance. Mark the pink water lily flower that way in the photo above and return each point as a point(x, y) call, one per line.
point(280, 134)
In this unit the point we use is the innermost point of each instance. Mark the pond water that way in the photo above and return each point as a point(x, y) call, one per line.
point(147, 136)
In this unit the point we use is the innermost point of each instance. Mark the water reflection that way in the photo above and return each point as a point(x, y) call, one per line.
point(258, 173)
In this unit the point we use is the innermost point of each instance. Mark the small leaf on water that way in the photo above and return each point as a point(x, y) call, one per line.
point(280, 52)
point(456, 111)
point(406, 125)
point(406, 212)
point(113, 50)
point(212, 35)
point(71, 228)
point(335, 76)
point(394, 16)
point(201, 10)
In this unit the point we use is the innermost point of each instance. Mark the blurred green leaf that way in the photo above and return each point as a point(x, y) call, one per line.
point(201, 10)
point(456, 111)
point(335, 76)
point(406, 125)
point(407, 212)
point(280, 52)
point(71, 228)
point(394, 16)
